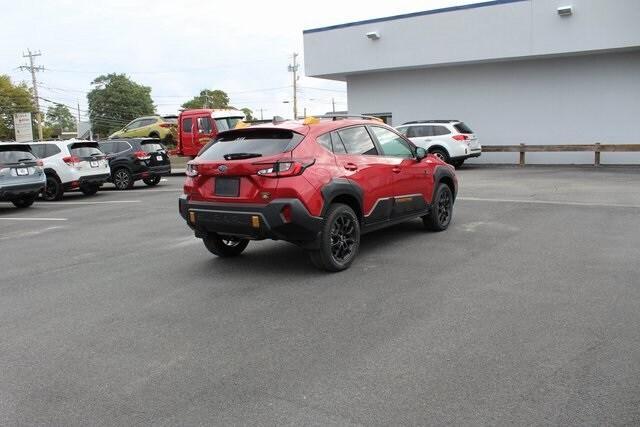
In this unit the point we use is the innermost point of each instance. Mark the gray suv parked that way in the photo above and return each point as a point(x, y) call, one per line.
point(21, 175)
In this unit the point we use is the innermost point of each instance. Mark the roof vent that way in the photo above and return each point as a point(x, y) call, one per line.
point(565, 10)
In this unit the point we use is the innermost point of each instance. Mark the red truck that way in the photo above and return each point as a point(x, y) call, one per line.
point(197, 127)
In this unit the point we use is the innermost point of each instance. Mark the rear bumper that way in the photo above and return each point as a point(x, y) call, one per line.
point(97, 179)
point(240, 220)
point(471, 154)
point(11, 192)
point(150, 171)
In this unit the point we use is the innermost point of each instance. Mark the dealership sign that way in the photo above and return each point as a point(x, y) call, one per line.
point(22, 126)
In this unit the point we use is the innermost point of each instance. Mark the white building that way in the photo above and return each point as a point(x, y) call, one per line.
point(516, 71)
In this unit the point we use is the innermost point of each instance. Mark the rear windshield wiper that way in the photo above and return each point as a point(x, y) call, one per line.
point(236, 156)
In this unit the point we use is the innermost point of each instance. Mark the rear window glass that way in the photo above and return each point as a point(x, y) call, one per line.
point(462, 128)
point(264, 142)
point(227, 123)
point(151, 147)
point(171, 120)
point(15, 154)
point(84, 150)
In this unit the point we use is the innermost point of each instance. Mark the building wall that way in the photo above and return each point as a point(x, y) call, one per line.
point(579, 99)
point(498, 30)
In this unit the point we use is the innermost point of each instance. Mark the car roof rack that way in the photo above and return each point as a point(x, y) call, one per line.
point(413, 122)
point(347, 116)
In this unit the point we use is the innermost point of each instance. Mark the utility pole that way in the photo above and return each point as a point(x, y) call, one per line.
point(333, 104)
point(293, 68)
point(261, 116)
point(33, 69)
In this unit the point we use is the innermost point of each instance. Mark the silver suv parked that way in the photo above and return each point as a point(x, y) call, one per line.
point(21, 175)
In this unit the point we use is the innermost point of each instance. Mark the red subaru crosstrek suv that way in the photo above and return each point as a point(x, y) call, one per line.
point(319, 183)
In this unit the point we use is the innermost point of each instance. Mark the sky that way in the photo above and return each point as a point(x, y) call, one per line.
point(180, 47)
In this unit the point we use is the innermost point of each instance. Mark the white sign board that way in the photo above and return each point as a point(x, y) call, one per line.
point(22, 126)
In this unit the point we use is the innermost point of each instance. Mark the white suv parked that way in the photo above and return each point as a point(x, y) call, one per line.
point(450, 140)
point(71, 165)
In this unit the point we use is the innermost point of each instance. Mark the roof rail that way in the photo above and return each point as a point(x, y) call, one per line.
point(413, 122)
point(347, 116)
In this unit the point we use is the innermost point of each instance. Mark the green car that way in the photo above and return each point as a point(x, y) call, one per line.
point(162, 127)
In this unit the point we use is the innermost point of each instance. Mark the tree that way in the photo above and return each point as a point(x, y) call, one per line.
point(248, 113)
point(208, 99)
point(13, 99)
point(115, 101)
point(60, 118)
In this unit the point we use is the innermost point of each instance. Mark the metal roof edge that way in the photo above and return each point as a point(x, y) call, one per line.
point(413, 15)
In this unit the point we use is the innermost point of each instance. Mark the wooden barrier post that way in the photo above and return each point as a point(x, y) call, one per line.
point(596, 161)
point(521, 154)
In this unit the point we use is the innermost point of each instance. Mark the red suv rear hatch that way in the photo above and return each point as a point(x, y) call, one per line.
point(241, 166)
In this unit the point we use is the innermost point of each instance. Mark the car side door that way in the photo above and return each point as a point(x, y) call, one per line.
point(421, 135)
point(366, 169)
point(412, 185)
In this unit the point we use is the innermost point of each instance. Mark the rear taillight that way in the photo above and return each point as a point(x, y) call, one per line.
point(460, 137)
point(71, 160)
point(142, 155)
point(39, 163)
point(192, 170)
point(165, 125)
point(284, 169)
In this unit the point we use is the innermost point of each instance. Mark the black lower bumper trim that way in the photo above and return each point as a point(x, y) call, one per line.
point(240, 220)
point(21, 190)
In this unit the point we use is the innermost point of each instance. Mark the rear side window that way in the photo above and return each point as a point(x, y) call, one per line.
point(107, 147)
point(462, 128)
point(82, 150)
point(420, 131)
point(325, 141)
point(39, 150)
point(151, 147)
point(440, 130)
point(186, 125)
point(257, 142)
point(403, 131)
point(51, 150)
point(338, 146)
point(121, 146)
point(357, 141)
point(14, 154)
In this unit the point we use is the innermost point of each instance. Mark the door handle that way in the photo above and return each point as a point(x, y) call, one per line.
point(396, 169)
point(350, 167)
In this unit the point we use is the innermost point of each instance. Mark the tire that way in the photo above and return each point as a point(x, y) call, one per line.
point(441, 210)
point(122, 179)
point(441, 154)
point(24, 202)
point(457, 164)
point(225, 247)
point(53, 190)
point(151, 181)
point(89, 189)
point(339, 239)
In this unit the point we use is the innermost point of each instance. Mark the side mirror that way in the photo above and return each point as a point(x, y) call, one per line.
point(421, 153)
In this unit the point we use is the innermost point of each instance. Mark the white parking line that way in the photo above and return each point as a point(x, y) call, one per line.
point(29, 233)
point(549, 202)
point(89, 203)
point(7, 218)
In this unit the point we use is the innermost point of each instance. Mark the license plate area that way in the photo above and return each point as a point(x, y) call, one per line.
point(159, 158)
point(22, 171)
point(227, 187)
point(93, 163)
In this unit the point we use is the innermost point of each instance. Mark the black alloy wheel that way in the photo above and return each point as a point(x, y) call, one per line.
point(441, 210)
point(122, 179)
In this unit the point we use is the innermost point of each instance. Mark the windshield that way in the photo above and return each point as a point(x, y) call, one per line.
point(257, 142)
point(227, 123)
point(15, 155)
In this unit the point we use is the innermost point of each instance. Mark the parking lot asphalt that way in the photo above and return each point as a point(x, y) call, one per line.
point(526, 311)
